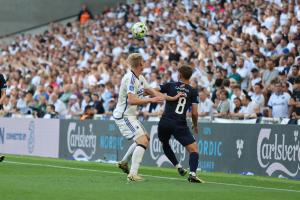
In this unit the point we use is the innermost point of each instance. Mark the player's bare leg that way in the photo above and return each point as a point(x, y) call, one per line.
point(193, 162)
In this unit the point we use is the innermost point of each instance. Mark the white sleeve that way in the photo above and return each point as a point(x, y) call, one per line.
point(270, 102)
point(208, 107)
point(129, 82)
point(144, 82)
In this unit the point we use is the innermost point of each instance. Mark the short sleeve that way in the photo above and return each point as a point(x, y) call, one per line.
point(2, 82)
point(130, 85)
point(270, 102)
point(164, 88)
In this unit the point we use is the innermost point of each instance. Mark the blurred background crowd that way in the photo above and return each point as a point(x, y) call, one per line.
point(245, 56)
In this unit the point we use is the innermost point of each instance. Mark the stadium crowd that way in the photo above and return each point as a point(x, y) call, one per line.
point(245, 56)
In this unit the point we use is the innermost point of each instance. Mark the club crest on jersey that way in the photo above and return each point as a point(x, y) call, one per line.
point(131, 88)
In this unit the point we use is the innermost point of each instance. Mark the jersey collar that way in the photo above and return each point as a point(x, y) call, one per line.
point(134, 74)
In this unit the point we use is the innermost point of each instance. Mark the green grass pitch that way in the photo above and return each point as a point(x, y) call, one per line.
point(33, 178)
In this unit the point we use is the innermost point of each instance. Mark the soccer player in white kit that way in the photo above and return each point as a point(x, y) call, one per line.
point(132, 90)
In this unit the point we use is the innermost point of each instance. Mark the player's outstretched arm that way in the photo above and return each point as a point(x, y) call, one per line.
point(180, 94)
point(153, 92)
point(134, 100)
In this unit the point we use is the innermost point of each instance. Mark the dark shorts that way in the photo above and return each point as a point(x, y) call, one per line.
point(180, 131)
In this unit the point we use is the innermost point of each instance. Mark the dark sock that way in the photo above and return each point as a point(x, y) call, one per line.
point(169, 153)
point(194, 157)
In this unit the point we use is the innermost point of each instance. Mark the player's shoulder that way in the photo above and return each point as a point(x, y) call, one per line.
point(173, 84)
point(129, 77)
point(142, 78)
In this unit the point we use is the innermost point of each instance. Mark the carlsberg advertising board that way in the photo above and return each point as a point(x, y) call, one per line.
point(270, 150)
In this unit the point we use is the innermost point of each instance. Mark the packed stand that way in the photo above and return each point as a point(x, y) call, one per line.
point(245, 55)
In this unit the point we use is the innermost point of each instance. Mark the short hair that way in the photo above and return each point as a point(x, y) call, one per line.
point(52, 106)
point(88, 107)
point(296, 66)
point(223, 91)
point(260, 85)
point(236, 87)
point(247, 97)
point(237, 98)
point(185, 71)
point(134, 59)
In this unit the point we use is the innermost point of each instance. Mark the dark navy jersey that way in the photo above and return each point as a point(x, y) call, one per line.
point(3, 85)
point(176, 110)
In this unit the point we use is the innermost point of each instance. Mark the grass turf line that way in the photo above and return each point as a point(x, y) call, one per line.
point(42, 182)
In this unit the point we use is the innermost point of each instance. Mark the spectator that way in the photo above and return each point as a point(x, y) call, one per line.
point(75, 58)
point(255, 78)
point(85, 14)
point(270, 74)
point(243, 71)
point(50, 112)
point(251, 107)
point(237, 92)
point(234, 75)
point(205, 107)
point(294, 75)
point(40, 109)
point(222, 105)
point(60, 107)
point(98, 104)
point(295, 100)
point(153, 113)
point(278, 102)
point(111, 106)
point(87, 100)
point(74, 109)
point(239, 109)
point(257, 96)
point(88, 113)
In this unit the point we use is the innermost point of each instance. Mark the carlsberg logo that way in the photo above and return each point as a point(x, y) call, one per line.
point(273, 152)
point(156, 150)
point(81, 141)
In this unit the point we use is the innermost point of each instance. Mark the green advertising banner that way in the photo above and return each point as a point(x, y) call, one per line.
point(271, 150)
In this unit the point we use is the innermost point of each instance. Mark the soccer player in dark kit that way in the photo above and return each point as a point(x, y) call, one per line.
point(173, 122)
point(3, 87)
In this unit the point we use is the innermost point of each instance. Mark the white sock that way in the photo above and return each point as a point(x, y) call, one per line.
point(129, 152)
point(137, 157)
point(178, 166)
point(192, 173)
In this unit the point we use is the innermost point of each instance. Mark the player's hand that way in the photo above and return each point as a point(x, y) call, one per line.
point(157, 99)
point(180, 94)
point(195, 129)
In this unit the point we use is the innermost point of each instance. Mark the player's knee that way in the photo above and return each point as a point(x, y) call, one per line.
point(143, 140)
point(192, 148)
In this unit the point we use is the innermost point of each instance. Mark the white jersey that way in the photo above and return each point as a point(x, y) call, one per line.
point(129, 84)
point(279, 104)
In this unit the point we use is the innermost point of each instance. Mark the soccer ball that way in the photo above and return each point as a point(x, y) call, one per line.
point(139, 30)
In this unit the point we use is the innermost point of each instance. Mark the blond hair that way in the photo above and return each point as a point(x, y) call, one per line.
point(134, 60)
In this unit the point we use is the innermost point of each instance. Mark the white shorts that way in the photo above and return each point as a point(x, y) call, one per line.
point(130, 127)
